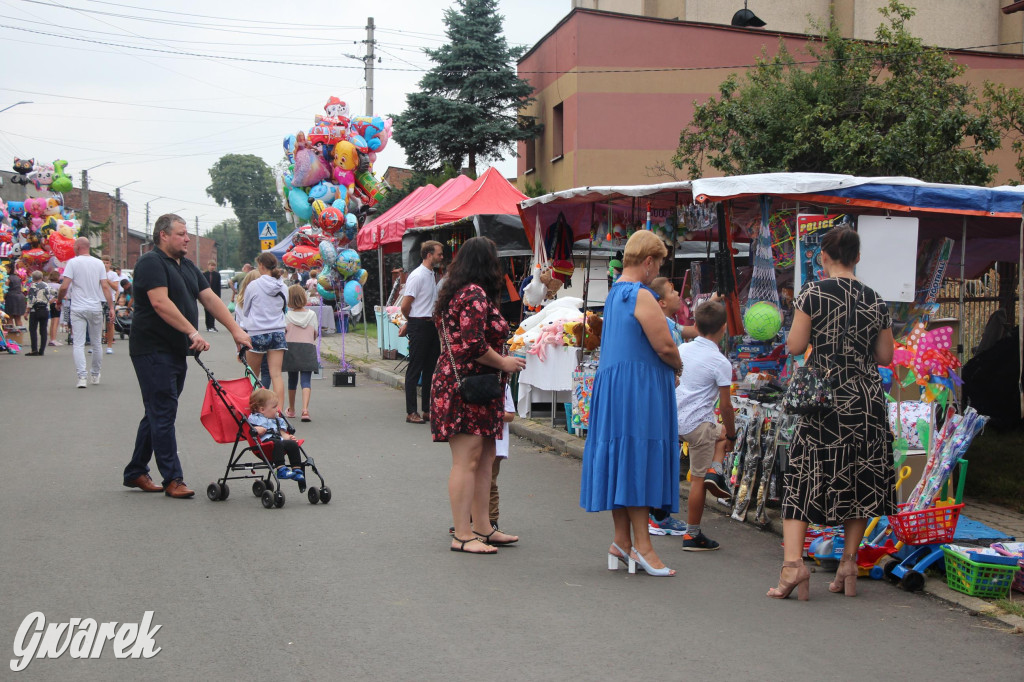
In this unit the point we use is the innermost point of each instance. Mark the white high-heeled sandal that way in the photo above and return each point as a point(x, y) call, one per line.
point(623, 557)
point(657, 572)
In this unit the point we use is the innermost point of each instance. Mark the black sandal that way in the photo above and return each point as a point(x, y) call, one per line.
point(462, 546)
point(487, 539)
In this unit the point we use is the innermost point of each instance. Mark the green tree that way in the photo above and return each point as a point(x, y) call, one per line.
point(246, 182)
point(891, 107)
point(469, 103)
point(228, 237)
point(1006, 107)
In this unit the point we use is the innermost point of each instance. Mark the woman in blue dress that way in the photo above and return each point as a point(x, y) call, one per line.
point(631, 458)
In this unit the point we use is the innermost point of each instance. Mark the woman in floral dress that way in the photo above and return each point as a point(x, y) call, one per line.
point(473, 334)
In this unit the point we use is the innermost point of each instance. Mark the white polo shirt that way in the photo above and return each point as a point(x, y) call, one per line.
point(421, 286)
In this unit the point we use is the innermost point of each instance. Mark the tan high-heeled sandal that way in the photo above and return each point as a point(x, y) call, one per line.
point(802, 582)
point(846, 577)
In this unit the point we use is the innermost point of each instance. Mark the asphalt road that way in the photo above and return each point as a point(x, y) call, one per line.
point(365, 587)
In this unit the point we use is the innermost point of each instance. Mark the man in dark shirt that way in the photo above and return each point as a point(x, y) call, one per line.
point(166, 288)
point(213, 277)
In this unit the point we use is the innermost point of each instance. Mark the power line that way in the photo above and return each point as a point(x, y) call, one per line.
point(206, 16)
point(667, 69)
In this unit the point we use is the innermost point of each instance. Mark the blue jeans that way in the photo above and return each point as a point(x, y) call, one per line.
point(161, 377)
point(294, 378)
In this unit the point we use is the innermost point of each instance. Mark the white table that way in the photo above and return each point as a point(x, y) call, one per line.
point(547, 381)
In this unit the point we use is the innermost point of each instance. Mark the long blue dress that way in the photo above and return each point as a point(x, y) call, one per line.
point(631, 457)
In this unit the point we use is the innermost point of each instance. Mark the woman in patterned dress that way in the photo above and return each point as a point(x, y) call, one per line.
point(841, 467)
point(473, 335)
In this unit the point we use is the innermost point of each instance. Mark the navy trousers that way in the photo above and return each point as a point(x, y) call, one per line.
point(161, 377)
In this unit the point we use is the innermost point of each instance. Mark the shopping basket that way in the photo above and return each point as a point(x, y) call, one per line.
point(978, 579)
point(935, 525)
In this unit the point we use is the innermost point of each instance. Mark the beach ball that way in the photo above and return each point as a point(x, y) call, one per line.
point(762, 321)
point(353, 292)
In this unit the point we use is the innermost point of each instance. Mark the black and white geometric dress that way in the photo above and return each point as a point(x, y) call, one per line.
point(841, 464)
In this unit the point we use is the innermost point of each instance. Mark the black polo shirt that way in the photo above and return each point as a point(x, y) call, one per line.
point(184, 281)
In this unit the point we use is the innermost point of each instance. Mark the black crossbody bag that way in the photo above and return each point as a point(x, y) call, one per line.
point(475, 389)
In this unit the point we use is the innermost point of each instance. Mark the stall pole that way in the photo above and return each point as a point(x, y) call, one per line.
point(380, 284)
point(1020, 311)
point(960, 341)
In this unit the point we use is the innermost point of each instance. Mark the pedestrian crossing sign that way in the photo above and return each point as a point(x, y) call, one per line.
point(267, 229)
point(267, 244)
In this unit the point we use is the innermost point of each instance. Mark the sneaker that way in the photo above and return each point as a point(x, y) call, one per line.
point(53, 343)
point(297, 475)
point(667, 526)
point(110, 351)
point(82, 383)
point(95, 379)
point(701, 543)
point(285, 473)
point(715, 485)
point(211, 329)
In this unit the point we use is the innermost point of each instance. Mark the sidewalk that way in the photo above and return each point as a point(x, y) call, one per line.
point(560, 441)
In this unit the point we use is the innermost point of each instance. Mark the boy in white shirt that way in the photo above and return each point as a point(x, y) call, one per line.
point(707, 377)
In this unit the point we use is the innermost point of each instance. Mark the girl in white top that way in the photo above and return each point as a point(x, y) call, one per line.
point(263, 308)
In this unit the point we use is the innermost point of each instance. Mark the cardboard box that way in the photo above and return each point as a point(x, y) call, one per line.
point(344, 379)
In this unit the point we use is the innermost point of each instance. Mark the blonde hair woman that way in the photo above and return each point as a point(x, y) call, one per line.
point(631, 457)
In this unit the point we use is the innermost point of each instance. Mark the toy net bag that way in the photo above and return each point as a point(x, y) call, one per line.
point(762, 282)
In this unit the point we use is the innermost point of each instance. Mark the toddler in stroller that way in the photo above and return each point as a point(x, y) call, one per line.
point(264, 435)
point(269, 427)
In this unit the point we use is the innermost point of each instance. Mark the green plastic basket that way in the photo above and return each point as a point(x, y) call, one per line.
point(976, 579)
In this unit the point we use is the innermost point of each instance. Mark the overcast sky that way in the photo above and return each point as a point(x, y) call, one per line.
point(163, 117)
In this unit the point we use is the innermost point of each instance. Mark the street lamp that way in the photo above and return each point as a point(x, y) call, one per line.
point(14, 105)
point(115, 247)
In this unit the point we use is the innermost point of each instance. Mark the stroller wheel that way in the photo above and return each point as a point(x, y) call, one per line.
point(268, 499)
point(314, 495)
point(258, 487)
point(224, 491)
point(213, 491)
point(325, 495)
point(279, 499)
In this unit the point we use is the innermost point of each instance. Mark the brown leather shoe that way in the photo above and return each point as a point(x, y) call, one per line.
point(426, 415)
point(177, 488)
point(145, 484)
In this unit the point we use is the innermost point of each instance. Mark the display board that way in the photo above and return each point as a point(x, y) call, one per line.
point(888, 255)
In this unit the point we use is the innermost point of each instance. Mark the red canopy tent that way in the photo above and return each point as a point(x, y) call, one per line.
point(391, 232)
point(368, 237)
point(490, 194)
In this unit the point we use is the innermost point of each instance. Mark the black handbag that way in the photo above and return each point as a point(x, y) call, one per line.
point(810, 390)
point(475, 389)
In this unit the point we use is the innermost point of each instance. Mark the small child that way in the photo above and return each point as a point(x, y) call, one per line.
point(707, 376)
point(500, 453)
point(268, 426)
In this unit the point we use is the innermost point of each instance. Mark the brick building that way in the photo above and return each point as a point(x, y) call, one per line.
point(615, 88)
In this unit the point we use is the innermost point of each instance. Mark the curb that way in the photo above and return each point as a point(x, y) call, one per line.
point(558, 440)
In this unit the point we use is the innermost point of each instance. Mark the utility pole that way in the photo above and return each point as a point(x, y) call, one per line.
point(197, 242)
point(369, 66)
point(85, 199)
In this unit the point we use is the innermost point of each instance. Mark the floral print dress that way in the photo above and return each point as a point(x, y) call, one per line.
point(474, 325)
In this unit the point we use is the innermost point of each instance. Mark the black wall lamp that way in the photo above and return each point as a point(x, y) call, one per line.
point(746, 18)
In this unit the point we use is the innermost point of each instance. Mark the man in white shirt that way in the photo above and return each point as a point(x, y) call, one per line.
point(115, 283)
point(86, 277)
point(424, 344)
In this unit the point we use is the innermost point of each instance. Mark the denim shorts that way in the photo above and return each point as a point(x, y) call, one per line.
point(261, 343)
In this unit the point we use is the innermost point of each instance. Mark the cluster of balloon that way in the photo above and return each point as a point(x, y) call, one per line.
point(40, 230)
point(329, 184)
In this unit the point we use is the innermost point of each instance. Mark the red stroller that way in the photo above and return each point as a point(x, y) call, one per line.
point(224, 413)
